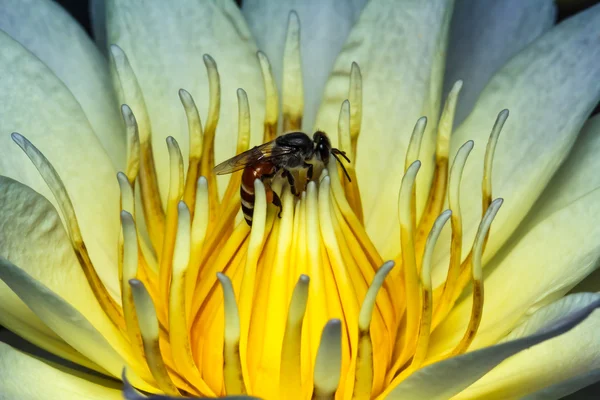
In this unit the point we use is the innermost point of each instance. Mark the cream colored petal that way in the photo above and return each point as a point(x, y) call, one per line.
point(569, 356)
point(33, 238)
point(484, 36)
point(68, 323)
point(23, 377)
point(324, 28)
point(37, 104)
point(554, 248)
point(50, 33)
point(165, 44)
point(400, 47)
point(573, 389)
point(444, 379)
point(550, 89)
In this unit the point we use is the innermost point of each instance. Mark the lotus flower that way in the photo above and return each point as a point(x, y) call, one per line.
point(439, 268)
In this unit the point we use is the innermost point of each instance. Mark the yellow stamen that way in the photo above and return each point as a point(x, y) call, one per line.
point(129, 91)
point(409, 264)
point(178, 326)
point(345, 144)
point(196, 145)
point(328, 362)
point(486, 187)
point(364, 359)
point(175, 193)
point(355, 96)
point(133, 144)
point(293, 93)
point(435, 202)
point(207, 162)
point(456, 173)
point(232, 366)
point(412, 155)
point(50, 176)
point(477, 277)
point(130, 270)
point(426, 291)
point(271, 98)
point(148, 325)
point(290, 384)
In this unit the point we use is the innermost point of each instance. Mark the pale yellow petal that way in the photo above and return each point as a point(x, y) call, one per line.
point(50, 33)
point(23, 377)
point(552, 362)
point(39, 106)
point(165, 45)
point(399, 46)
point(550, 88)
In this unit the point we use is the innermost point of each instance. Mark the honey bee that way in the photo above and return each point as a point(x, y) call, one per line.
point(292, 156)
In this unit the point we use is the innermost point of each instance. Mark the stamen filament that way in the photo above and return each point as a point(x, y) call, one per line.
point(271, 98)
point(56, 185)
point(355, 96)
point(477, 277)
point(148, 325)
point(130, 93)
point(178, 326)
point(456, 173)
point(437, 194)
point(133, 144)
point(328, 362)
point(409, 264)
point(363, 381)
point(486, 186)
point(232, 367)
point(345, 143)
point(196, 146)
point(175, 193)
point(290, 384)
point(292, 88)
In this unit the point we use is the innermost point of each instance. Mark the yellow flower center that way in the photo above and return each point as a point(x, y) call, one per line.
point(306, 306)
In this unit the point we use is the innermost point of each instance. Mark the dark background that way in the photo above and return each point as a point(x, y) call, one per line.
point(79, 9)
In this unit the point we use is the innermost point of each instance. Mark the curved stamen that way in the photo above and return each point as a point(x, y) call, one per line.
point(345, 143)
point(58, 189)
point(364, 359)
point(271, 98)
point(130, 92)
point(486, 185)
point(291, 349)
point(175, 193)
point(292, 88)
point(412, 155)
point(355, 96)
point(133, 143)
point(328, 363)
point(196, 146)
point(148, 325)
point(232, 367)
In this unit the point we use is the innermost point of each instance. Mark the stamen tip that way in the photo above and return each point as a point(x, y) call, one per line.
point(135, 283)
point(304, 279)
point(293, 17)
point(208, 60)
point(17, 138)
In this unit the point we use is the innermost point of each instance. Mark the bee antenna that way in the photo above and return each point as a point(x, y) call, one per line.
point(342, 153)
point(334, 153)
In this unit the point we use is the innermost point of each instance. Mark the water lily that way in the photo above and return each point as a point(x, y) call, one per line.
point(440, 269)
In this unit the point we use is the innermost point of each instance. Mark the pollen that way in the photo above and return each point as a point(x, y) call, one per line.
point(299, 305)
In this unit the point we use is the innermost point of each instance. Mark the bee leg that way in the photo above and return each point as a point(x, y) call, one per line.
point(310, 170)
point(277, 202)
point(291, 181)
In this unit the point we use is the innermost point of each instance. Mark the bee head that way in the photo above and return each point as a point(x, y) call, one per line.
point(323, 149)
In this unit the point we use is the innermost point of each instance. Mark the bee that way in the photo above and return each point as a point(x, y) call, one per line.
point(292, 156)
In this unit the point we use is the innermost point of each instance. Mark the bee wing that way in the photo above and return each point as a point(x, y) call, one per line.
point(264, 152)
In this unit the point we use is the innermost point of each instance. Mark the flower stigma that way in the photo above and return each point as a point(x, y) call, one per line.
point(298, 306)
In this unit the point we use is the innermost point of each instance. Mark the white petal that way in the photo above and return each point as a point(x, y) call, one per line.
point(550, 89)
point(399, 46)
point(68, 323)
point(483, 36)
point(36, 104)
point(554, 248)
point(50, 33)
point(23, 377)
point(324, 28)
point(444, 379)
point(571, 386)
point(553, 362)
point(165, 44)
point(33, 238)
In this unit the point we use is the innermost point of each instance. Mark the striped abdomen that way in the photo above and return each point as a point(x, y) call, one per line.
point(251, 173)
